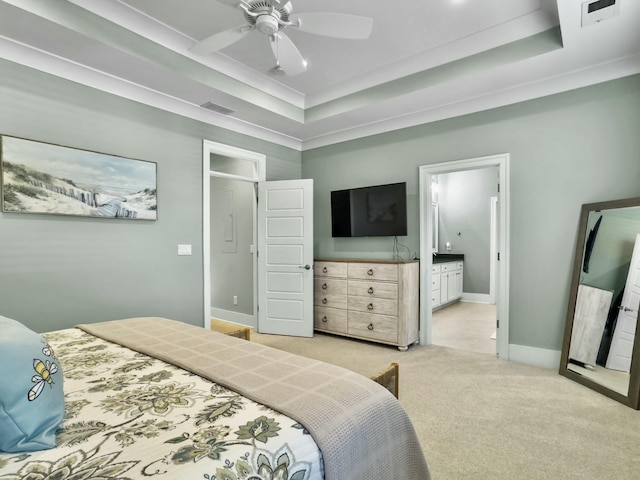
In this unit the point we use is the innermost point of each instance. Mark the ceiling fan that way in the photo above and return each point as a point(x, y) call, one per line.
point(271, 17)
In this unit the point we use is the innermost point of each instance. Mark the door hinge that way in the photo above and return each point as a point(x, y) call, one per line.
point(498, 188)
point(498, 256)
point(497, 323)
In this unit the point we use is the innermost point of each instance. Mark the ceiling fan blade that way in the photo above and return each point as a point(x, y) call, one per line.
point(231, 3)
point(338, 25)
point(287, 55)
point(220, 40)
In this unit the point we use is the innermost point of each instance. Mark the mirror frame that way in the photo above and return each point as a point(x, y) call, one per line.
point(632, 399)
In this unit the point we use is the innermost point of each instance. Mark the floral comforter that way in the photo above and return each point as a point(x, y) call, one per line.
point(130, 416)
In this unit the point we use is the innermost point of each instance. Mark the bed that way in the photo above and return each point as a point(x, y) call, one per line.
point(156, 398)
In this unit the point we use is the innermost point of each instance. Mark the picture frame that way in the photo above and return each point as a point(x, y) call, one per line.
point(44, 178)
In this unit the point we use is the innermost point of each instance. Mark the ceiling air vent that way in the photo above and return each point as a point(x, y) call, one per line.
point(594, 12)
point(214, 107)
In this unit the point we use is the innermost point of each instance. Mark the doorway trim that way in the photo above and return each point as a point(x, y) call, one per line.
point(426, 172)
point(493, 250)
point(259, 161)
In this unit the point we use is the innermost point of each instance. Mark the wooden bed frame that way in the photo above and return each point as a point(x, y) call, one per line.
point(389, 378)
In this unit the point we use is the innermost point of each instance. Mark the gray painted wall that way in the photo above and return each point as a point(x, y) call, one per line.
point(58, 271)
point(567, 149)
point(465, 219)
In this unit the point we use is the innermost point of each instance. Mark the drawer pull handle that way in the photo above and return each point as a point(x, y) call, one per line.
point(370, 326)
point(370, 272)
point(370, 290)
point(324, 270)
point(324, 319)
point(324, 301)
point(324, 286)
point(370, 306)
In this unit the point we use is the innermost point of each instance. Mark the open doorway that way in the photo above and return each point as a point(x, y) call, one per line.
point(449, 235)
point(277, 286)
point(229, 176)
point(232, 248)
point(465, 201)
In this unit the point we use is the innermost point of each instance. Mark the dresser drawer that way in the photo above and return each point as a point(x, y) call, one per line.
point(329, 286)
point(330, 269)
point(447, 267)
point(378, 327)
point(373, 271)
point(328, 300)
point(382, 306)
point(372, 289)
point(330, 319)
point(435, 268)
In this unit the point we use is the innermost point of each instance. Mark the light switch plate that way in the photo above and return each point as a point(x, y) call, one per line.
point(184, 249)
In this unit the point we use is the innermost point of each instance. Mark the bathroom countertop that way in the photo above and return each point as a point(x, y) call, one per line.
point(447, 257)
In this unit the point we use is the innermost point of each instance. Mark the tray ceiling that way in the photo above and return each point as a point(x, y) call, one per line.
point(424, 61)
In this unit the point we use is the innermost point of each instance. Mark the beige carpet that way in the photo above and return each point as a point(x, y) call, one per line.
point(465, 325)
point(483, 418)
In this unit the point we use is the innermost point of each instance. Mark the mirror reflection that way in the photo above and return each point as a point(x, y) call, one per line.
point(607, 297)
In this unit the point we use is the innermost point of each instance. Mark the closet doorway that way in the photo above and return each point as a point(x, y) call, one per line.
point(458, 234)
point(230, 177)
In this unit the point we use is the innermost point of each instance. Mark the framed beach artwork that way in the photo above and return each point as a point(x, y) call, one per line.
point(43, 178)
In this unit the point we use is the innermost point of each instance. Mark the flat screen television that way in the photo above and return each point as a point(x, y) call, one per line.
point(376, 211)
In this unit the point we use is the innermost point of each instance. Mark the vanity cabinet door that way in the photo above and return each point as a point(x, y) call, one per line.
point(452, 285)
point(459, 277)
point(446, 285)
point(436, 283)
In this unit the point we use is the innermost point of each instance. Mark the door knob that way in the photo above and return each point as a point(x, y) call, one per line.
point(626, 309)
point(306, 267)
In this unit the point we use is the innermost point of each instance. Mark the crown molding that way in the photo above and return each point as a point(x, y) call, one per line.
point(54, 65)
point(572, 80)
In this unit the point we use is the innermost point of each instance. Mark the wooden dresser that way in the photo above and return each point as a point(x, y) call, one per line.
point(376, 300)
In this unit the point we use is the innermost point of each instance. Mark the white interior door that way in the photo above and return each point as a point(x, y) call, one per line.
point(624, 334)
point(285, 257)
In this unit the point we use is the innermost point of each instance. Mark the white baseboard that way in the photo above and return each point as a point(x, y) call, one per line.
point(475, 297)
point(539, 357)
point(234, 317)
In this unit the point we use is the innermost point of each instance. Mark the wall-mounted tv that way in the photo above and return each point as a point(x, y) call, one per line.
point(376, 211)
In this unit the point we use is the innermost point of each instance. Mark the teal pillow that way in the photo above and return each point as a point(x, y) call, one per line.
point(31, 395)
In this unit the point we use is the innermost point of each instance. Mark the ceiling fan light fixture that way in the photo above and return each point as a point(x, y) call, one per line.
point(271, 17)
point(267, 24)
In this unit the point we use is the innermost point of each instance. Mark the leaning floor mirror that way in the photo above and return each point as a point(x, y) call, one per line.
point(600, 349)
